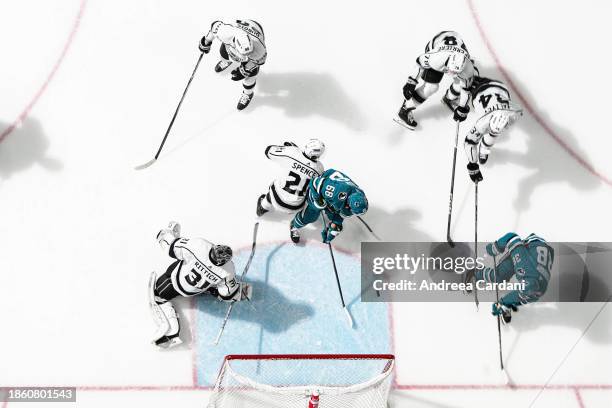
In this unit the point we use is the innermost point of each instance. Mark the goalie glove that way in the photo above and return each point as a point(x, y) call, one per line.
point(166, 236)
point(244, 292)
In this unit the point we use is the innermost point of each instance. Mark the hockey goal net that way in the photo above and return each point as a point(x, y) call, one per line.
point(304, 381)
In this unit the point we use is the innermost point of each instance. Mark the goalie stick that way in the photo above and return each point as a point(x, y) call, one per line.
point(244, 272)
point(150, 162)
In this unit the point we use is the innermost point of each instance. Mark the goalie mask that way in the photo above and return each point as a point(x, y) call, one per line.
point(220, 254)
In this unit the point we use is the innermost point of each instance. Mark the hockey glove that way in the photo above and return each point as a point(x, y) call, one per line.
point(330, 232)
point(409, 88)
point(499, 309)
point(474, 172)
point(204, 45)
point(246, 292)
point(461, 113)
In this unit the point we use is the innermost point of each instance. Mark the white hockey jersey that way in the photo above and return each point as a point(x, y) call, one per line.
point(196, 273)
point(438, 51)
point(289, 189)
point(489, 96)
point(226, 33)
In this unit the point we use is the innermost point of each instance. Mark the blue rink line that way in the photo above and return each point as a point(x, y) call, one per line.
point(295, 309)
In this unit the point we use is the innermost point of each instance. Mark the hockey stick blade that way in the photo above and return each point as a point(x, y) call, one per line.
point(450, 241)
point(147, 164)
point(349, 317)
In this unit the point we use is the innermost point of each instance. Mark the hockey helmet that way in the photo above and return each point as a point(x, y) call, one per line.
point(498, 122)
point(358, 203)
point(242, 42)
point(456, 62)
point(220, 254)
point(313, 149)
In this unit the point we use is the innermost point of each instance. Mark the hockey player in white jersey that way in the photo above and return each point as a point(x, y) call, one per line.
point(199, 267)
point(496, 112)
point(242, 43)
point(287, 193)
point(445, 54)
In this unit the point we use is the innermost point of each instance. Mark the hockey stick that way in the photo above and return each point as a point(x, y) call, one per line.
point(452, 188)
point(150, 162)
point(331, 253)
point(501, 357)
point(244, 272)
point(375, 236)
point(368, 228)
point(476, 239)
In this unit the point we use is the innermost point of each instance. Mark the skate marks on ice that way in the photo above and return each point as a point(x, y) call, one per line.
point(295, 308)
point(305, 94)
point(27, 146)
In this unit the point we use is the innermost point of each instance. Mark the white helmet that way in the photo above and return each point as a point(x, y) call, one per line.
point(242, 42)
point(313, 149)
point(499, 121)
point(456, 62)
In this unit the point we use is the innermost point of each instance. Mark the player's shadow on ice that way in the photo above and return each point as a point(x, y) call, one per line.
point(267, 305)
point(305, 94)
point(547, 161)
point(25, 147)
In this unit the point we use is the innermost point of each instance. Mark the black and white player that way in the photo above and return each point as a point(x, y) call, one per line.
point(445, 54)
point(298, 166)
point(496, 112)
point(199, 267)
point(242, 43)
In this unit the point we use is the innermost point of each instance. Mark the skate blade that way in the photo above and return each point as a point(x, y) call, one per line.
point(403, 124)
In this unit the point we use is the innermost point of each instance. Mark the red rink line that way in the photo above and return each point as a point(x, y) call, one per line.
point(528, 105)
point(579, 398)
point(26, 111)
point(450, 387)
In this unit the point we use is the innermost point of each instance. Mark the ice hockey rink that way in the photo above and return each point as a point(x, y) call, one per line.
point(87, 90)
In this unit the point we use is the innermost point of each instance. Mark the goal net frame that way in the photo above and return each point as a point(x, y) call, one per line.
point(314, 391)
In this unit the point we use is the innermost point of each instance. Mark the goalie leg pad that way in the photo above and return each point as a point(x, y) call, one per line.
point(164, 314)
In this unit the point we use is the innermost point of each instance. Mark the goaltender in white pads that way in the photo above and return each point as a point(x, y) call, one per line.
point(200, 267)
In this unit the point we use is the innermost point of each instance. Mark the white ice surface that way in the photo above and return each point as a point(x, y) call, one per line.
point(78, 222)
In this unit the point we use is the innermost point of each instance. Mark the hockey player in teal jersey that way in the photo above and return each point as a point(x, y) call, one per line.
point(337, 195)
point(529, 259)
